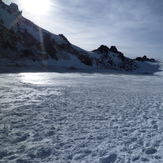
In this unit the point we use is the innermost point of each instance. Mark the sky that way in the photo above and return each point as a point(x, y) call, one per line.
point(135, 27)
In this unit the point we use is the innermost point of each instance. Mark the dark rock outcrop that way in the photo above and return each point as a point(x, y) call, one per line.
point(102, 49)
point(113, 49)
point(85, 59)
point(111, 58)
point(14, 7)
point(145, 58)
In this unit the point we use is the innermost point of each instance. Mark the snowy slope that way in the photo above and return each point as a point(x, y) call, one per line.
point(26, 45)
point(81, 118)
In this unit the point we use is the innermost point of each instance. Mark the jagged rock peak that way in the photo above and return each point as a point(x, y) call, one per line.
point(63, 37)
point(145, 58)
point(14, 7)
point(105, 49)
point(102, 49)
point(113, 49)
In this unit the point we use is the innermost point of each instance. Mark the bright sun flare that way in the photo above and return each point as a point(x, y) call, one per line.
point(36, 6)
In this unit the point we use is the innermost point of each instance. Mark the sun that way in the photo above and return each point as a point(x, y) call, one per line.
point(37, 7)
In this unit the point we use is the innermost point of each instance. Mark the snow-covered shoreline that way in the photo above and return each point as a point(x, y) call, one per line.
point(145, 68)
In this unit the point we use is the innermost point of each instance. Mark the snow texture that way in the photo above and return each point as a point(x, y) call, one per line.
point(81, 118)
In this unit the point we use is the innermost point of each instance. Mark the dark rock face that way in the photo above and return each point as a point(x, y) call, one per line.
point(113, 49)
point(86, 60)
point(7, 39)
point(144, 58)
point(14, 7)
point(61, 35)
point(48, 44)
point(26, 53)
point(113, 59)
point(102, 49)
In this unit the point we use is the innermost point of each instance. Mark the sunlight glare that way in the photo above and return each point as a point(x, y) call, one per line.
point(33, 78)
point(38, 7)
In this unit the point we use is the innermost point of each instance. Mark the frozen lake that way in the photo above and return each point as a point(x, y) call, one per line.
point(81, 118)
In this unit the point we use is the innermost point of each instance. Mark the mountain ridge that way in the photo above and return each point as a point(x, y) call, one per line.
point(23, 43)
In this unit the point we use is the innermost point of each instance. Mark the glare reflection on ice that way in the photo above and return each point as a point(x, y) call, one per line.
point(33, 78)
point(43, 78)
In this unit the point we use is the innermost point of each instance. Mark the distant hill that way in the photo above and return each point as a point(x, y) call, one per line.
point(25, 45)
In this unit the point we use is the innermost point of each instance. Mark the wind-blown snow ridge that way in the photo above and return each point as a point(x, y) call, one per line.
point(24, 44)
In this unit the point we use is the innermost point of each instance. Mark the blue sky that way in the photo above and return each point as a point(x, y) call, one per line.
point(135, 27)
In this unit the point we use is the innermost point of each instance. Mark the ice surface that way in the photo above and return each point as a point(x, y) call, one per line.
point(81, 118)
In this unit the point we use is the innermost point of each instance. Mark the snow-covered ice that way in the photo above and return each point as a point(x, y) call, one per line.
point(81, 118)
